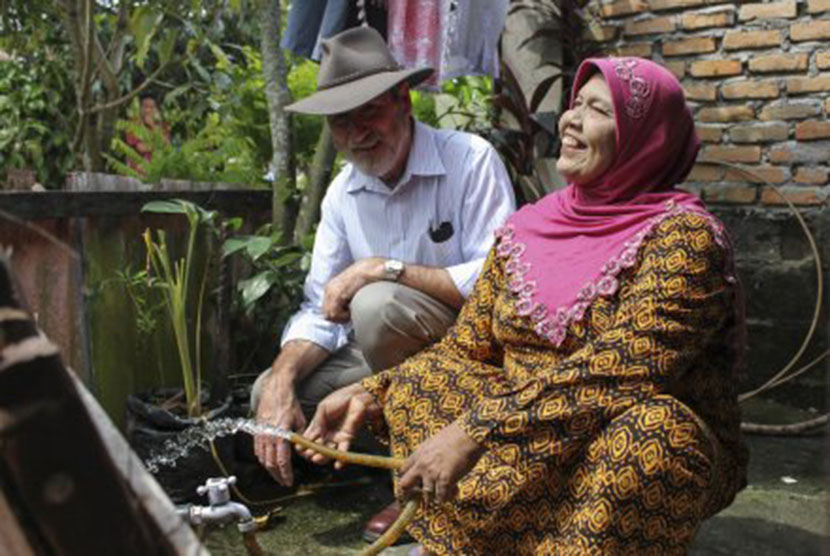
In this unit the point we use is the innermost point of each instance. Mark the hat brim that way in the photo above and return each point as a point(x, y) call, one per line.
point(349, 96)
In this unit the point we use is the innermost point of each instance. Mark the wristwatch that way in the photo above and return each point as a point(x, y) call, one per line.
point(392, 269)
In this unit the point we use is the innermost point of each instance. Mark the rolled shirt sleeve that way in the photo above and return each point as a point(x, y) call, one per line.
point(330, 256)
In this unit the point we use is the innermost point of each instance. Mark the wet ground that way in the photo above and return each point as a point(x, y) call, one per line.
point(783, 511)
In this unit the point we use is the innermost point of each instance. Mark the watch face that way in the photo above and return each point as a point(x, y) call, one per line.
point(393, 269)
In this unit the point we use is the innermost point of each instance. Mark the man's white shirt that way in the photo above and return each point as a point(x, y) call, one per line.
point(451, 177)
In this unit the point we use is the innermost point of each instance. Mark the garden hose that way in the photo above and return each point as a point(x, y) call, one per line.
point(781, 376)
point(383, 462)
point(408, 512)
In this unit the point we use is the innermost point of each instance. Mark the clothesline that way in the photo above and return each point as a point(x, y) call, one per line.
point(455, 37)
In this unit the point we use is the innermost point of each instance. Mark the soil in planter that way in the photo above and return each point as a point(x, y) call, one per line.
point(149, 427)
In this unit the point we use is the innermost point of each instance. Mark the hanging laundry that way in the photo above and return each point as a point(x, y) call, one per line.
point(310, 21)
point(473, 32)
point(417, 34)
point(455, 37)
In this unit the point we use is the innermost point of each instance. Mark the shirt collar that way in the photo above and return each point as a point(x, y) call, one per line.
point(424, 160)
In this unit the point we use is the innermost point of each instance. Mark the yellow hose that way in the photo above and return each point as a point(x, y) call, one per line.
point(383, 462)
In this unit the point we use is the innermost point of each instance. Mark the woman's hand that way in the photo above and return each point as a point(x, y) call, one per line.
point(338, 419)
point(439, 463)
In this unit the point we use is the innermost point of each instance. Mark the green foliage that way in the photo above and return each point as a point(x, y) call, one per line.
point(174, 277)
point(302, 81)
point(35, 104)
point(271, 293)
point(218, 153)
point(466, 103)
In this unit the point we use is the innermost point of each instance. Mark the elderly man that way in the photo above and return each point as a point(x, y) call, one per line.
point(404, 231)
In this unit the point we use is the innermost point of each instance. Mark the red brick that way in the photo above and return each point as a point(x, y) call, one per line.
point(812, 129)
point(695, 90)
point(732, 194)
point(759, 174)
point(729, 153)
point(811, 176)
point(769, 10)
point(737, 40)
point(797, 195)
point(641, 49)
point(816, 6)
point(779, 62)
point(823, 60)
point(799, 152)
point(652, 26)
point(715, 68)
point(709, 133)
point(624, 7)
point(660, 5)
point(695, 45)
point(750, 89)
point(705, 172)
point(726, 114)
point(759, 133)
point(677, 67)
point(819, 83)
point(700, 20)
point(810, 31)
point(790, 110)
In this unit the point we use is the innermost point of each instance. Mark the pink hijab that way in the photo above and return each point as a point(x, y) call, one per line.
point(568, 248)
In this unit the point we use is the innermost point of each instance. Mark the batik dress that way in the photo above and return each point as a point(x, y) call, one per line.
point(620, 440)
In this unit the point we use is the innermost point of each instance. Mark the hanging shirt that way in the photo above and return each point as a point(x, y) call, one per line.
point(454, 37)
point(309, 21)
point(451, 177)
point(472, 45)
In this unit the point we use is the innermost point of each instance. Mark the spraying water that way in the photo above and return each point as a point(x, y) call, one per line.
point(176, 448)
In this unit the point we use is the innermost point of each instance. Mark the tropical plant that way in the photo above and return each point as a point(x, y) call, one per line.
point(216, 154)
point(522, 132)
point(36, 104)
point(273, 291)
point(174, 278)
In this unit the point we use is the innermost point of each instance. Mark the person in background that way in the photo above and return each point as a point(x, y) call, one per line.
point(585, 401)
point(150, 117)
point(404, 231)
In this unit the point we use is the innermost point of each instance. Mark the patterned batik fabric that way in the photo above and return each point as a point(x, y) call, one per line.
point(619, 441)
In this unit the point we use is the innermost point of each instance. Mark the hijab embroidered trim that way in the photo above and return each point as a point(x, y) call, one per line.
point(594, 231)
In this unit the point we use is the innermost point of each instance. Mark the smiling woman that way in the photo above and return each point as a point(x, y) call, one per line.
point(585, 400)
point(588, 133)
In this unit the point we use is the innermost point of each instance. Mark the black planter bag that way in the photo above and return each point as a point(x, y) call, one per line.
point(148, 427)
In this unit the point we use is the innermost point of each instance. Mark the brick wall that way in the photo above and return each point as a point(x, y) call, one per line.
point(757, 75)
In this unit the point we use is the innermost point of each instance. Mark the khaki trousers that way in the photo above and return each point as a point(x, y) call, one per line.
point(390, 322)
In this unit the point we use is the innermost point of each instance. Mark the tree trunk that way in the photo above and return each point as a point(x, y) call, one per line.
point(319, 178)
point(285, 204)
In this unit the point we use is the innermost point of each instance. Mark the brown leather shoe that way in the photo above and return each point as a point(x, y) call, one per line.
point(383, 520)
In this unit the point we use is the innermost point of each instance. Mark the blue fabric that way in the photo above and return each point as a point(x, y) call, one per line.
point(312, 20)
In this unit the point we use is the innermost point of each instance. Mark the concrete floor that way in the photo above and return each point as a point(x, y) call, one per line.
point(783, 511)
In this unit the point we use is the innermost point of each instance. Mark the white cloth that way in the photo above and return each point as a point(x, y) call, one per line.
point(454, 37)
point(450, 176)
point(472, 38)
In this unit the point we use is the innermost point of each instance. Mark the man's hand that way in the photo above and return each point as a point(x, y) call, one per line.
point(439, 463)
point(341, 289)
point(277, 407)
point(338, 419)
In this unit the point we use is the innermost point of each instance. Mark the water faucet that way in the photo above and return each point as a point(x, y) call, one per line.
point(221, 508)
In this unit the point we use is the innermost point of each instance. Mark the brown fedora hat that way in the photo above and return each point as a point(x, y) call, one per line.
point(356, 67)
